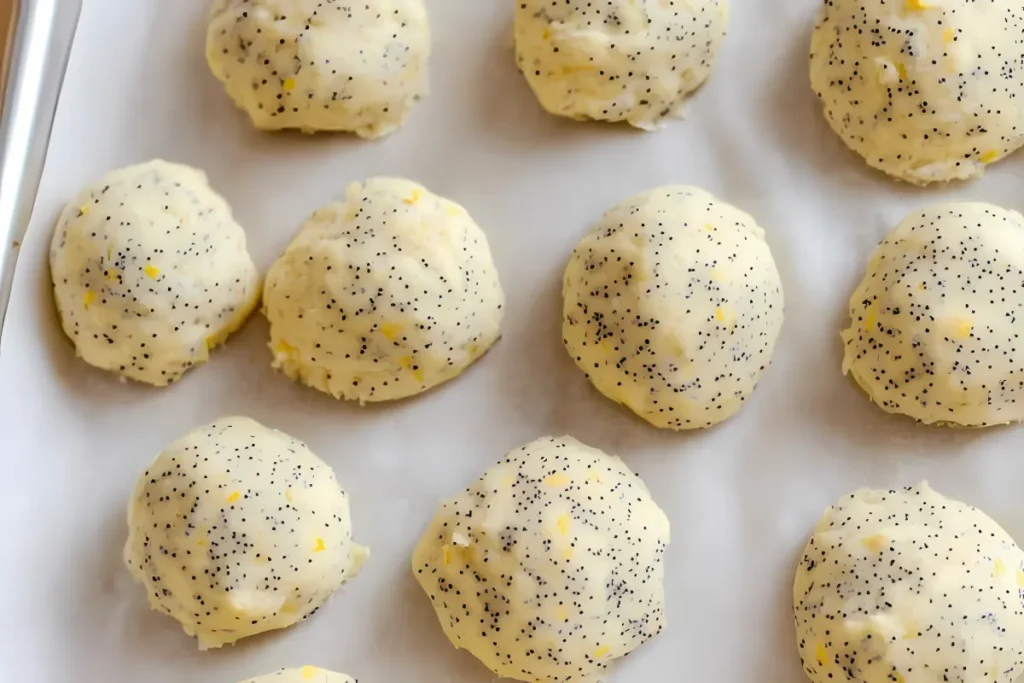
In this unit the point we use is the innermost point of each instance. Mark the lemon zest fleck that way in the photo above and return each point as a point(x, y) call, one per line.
point(234, 496)
point(990, 156)
point(821, 654)
point(391, 331)
point(320, 547)
point(601, 651)
point(88, 298)
point(564, 523)
point(876, 543)
point(151, 271)
point(308, 672)
point(998, 568)
point(288, 84)
point(557, 480)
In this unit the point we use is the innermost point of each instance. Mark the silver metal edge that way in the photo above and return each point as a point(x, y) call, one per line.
point(38, 47)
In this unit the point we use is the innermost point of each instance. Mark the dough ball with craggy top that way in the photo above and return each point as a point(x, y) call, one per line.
point(321, 66)
point(909, 586)
point(672, 305)
point(550, 567)
point(236, 529)
point(924, 90)
point(934, 324)
point(384, 295)
point(150, 271)
point(617, 60)
point(305, 674)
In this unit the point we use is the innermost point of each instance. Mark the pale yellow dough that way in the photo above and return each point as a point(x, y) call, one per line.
point(936, 320)
point(305, 674)
point(236, 529)
point(550, 566)
point(150, 271)
point(384, 295)
point(924, 90)
point(672, 305)
point(909, 587)
point(617, 60)
point(321, 66)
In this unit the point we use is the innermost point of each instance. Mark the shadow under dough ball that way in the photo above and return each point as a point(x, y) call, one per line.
point(150, 272)
point(924, 91)
point(384, 295)
point(909, 586)
point(237, 529)
point(550, 567)
point(321, 66)
point(672, 305)
point(935, 323)
point(617, 60)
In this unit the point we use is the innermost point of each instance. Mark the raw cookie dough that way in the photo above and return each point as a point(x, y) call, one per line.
point(236, 529)
point(384, 295)
point(550, 566)
point(313, 65)
point(617, 60)
point(935, 322)
point(672, 305)
point(909, 587)
point(305, 674)
point(150, 272)
point(924, 91)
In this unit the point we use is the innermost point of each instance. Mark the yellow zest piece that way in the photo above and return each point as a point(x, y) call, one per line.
point(570, 70)
point(820, 654)
point(446, 553)
point(709, 227)
point(998, 569)
point(916, 5)
point(288, 495)
point(309, 672)
point(151, 271)
point(111, 273)
point(898, 678)
point(454, 209)
point(990, 156)
point(922, 286)
point(569, 552)
point(110, 250)
point(211, 342)
point(1020, 579)
point(285, 348)
point(869, 319)
point(557, 480)
point(901, 69)
point(416, 195)
point(234, 496)
point(406, 362)
point(876, 543)
point(963, 329)
point(601, 651)
point(320, 547)
point(288, 84)
point(948, 36)
point(561, 614)
point(593, 476)
point(88, 298)
point(910, 631)
point(290, 607)
point(83, 209)
point(201, 542)
point(724, 315)
point(391, 331)
point(546, 35)
point(564, 523)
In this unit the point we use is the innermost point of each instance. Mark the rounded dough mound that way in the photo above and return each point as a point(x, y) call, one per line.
point(305, 674)
point(357, 67)
point(384, 295)
point(909, 586)
point(924, 91)
point(236, 529)
point(550, 566)
point(150, 272)
point(618, 60)
point(672, 305)
point(934, 323)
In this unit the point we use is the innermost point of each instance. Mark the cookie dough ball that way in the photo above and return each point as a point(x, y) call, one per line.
point(618, 60)
point(384, 295)
point(934, 324)
point(550, 567)
point(236, 529)
point(306, 674)
point(672, 305)
point(925, 91)
point(356, 67)
point(909, 586)
point(150, 272)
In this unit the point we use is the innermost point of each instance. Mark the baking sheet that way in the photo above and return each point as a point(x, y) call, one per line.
point(741, 497)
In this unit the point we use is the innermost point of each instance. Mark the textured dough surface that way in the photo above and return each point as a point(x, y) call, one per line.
point(672, 305)
point(934, 324)
point(305, 674)
point(910, 587)
point(236, 529)
point(384, 295)
point(617, 60)
point(150, 271)
point(321, 64)
point(925, 91)
point(550, 566)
